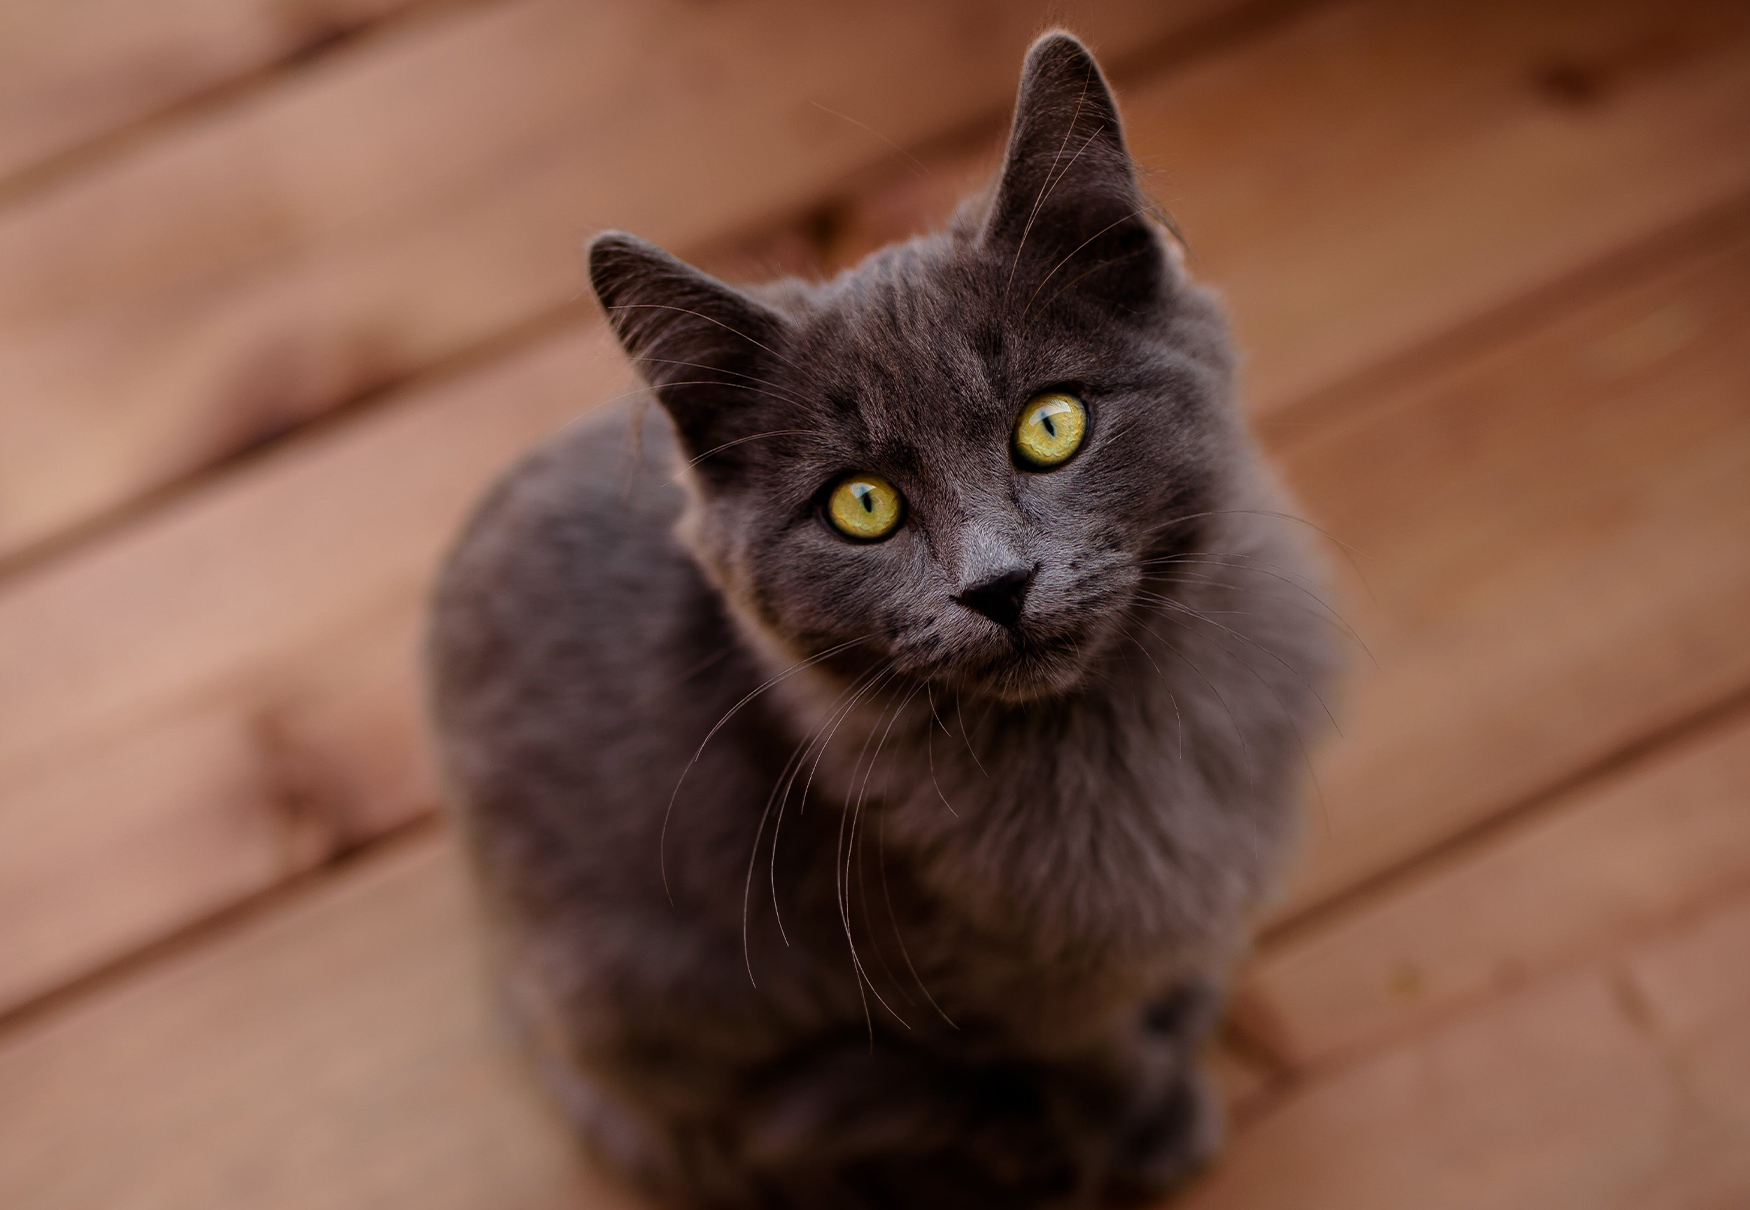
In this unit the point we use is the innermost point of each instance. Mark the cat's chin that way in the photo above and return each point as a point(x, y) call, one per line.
point(1029, 670)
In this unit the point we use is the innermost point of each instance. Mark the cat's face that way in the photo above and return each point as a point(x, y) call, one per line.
point(958, 458)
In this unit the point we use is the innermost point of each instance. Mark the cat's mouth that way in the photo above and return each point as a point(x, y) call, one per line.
point(1025, 665)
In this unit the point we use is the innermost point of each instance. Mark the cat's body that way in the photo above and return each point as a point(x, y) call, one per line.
point(1013, 853)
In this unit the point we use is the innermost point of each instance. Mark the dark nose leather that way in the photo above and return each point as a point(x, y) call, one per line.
point(1001, 597)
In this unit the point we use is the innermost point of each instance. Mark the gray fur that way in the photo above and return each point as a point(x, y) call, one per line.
point(1010, 866)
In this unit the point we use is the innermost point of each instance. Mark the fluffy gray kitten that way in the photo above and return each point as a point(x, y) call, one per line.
point(871, 756)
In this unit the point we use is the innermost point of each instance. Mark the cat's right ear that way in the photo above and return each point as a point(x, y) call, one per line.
point(698, 342)
point(1067, 204)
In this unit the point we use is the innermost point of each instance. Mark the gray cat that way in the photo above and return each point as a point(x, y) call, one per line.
point(871, 756)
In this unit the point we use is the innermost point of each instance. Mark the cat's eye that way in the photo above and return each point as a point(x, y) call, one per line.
point(1050, 430)
point(865, 508)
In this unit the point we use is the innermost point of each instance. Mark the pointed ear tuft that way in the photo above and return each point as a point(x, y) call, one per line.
point(1067, 208)
point(697, 341)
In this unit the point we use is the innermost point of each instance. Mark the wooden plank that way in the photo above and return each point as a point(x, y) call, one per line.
point(73, 72)
point(358, 222)
point(1575, 1093)
point(1243, 1080)
point(155, 830)
point(256, 694)
point(258, 567)
point(1608, 862)
point(185, 811)
point(1373, 173)
point(1554, 1101)
point(1551, 531)
point(342, 1052)
point(1694, 987)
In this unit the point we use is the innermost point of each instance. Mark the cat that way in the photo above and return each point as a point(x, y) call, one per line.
point(872, 754)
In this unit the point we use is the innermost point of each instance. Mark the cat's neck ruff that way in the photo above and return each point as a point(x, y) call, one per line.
point(1085, 821)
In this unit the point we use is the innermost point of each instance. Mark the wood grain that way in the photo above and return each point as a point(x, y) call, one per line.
point(1608, 862)
point(1557, 1099)
point(195, 806)
point(1694, 988)
point(226, 282)
point(1372, 174)
point(259, 683)
point(342, 1052)
point(1551, 535)
point(72, 72)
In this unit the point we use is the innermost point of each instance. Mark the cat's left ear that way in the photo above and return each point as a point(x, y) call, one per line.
point(1067, 211)
point(698, 342)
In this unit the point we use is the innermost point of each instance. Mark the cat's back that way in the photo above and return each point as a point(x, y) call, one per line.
point(576, 657)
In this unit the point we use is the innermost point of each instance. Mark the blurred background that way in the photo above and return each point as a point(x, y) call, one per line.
point(283, 283)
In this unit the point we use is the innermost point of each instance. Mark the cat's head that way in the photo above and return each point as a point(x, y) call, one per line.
point(958, 455)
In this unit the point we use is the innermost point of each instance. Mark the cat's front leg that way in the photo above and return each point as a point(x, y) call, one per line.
point(1176, 1122)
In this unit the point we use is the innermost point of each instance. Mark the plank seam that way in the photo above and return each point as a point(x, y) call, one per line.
point(1723, 712)
point(324, 45)
point(238, 914)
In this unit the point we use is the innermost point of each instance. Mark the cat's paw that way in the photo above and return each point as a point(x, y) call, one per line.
point(1168, 1142)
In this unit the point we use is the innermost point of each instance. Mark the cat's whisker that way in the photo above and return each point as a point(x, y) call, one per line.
point(1178, 718)
point(930, 750)
point(1093, 269)
point(1293, 671)
point(856, 814)
point(838, 853)
point(1324, 613)
point(862, 886)
point(893, 917)
point(1288, 717)
point(1232, 718)
point(893, 981)
point(718, 449)
point(967, 739)
point(668, 812)
point(777, 391)
point(708, 319)
point(845, 712)
point(1046, 186)
point(1350, 553)
point(1137, 213)
point(794, 763)
point(841, 875)
point(922, 169)
point(1261, 567)
point(1226, 558)
point(835, 715)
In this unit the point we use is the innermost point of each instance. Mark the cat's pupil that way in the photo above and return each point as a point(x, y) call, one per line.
point(867, 499)
point(1050, 428)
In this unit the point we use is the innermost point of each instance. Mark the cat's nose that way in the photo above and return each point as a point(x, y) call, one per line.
point(1000, 598)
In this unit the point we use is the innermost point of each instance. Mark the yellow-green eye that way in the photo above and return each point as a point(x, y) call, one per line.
point(865, 507)
point(1051, 428)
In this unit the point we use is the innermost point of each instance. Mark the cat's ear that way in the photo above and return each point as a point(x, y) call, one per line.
point(1067, 211)
point(697, 341)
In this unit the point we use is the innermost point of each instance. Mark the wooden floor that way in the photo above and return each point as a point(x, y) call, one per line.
point(283, 284)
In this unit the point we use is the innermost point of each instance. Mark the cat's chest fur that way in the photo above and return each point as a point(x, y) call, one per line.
point(1111, 834)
